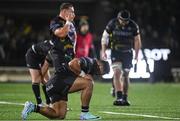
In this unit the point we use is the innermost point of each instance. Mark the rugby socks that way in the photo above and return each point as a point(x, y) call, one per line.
point(119, 94)
point(36, 90)
point(45, 93)
point(37, 108)
point(124, 97)
point(84, 109)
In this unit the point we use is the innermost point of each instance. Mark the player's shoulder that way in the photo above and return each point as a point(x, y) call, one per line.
point(113, 21)
point(132, 23)
point(111, 24)
point(54, 19)
point(87, 59)
point(57, 19)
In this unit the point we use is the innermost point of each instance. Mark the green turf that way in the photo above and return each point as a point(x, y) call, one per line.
point(151, 99)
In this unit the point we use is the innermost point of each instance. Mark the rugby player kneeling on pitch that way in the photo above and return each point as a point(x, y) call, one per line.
point(78, 78)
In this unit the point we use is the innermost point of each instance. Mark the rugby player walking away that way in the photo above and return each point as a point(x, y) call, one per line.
point(38, 67)
point(75, 79)
point(122, 34)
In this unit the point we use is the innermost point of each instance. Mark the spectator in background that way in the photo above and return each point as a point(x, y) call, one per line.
point(3, 38)
point(84, 42)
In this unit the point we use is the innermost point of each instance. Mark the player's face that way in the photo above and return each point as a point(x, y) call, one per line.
point(71, 13)
point(123, 22)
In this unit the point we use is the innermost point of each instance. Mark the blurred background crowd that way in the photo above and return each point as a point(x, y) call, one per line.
point(24, 22)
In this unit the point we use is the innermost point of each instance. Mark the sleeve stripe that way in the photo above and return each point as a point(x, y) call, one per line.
point(85, 63)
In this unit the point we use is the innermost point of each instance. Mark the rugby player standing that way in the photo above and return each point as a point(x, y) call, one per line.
point(122, 33)
point(38, 67)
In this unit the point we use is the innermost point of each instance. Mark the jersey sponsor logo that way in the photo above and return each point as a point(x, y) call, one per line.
point(49, 87)
point(68, 46)
point(122, 33)
point(118, 46)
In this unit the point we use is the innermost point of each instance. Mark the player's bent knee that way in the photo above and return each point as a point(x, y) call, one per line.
point(58, 117)
point(126, 73)
point(89, 83)
point(61, 117)
point(117, 72)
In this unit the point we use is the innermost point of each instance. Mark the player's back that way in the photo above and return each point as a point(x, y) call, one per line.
point(43, 47)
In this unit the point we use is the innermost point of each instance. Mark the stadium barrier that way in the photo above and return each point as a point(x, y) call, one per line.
point(15, 74)
point(21, 74)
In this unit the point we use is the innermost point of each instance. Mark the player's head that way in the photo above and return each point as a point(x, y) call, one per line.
point(101, 67)
point(67, 9)
point(123, 17)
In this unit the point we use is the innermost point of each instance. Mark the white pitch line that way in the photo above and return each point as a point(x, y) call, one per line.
point(10, 103)
point(140, 115)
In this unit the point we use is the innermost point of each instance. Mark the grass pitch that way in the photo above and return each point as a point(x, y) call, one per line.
point(161, 100)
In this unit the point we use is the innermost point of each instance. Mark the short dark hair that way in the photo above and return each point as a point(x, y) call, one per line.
point(65, 6)
point(124, 15)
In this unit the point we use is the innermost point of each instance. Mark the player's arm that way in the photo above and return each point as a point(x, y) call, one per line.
point(137, 41)
point(74, 66)
point(105, 38)
point(104, 42)
point(137, 45)
point(63, 31)
point(59, 29)
point(75, 42)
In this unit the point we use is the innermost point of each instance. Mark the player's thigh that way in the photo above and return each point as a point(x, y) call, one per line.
point(35, 75)
point(127, 61)
point(46, 77)
point(80, 83)
point(61, 108)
